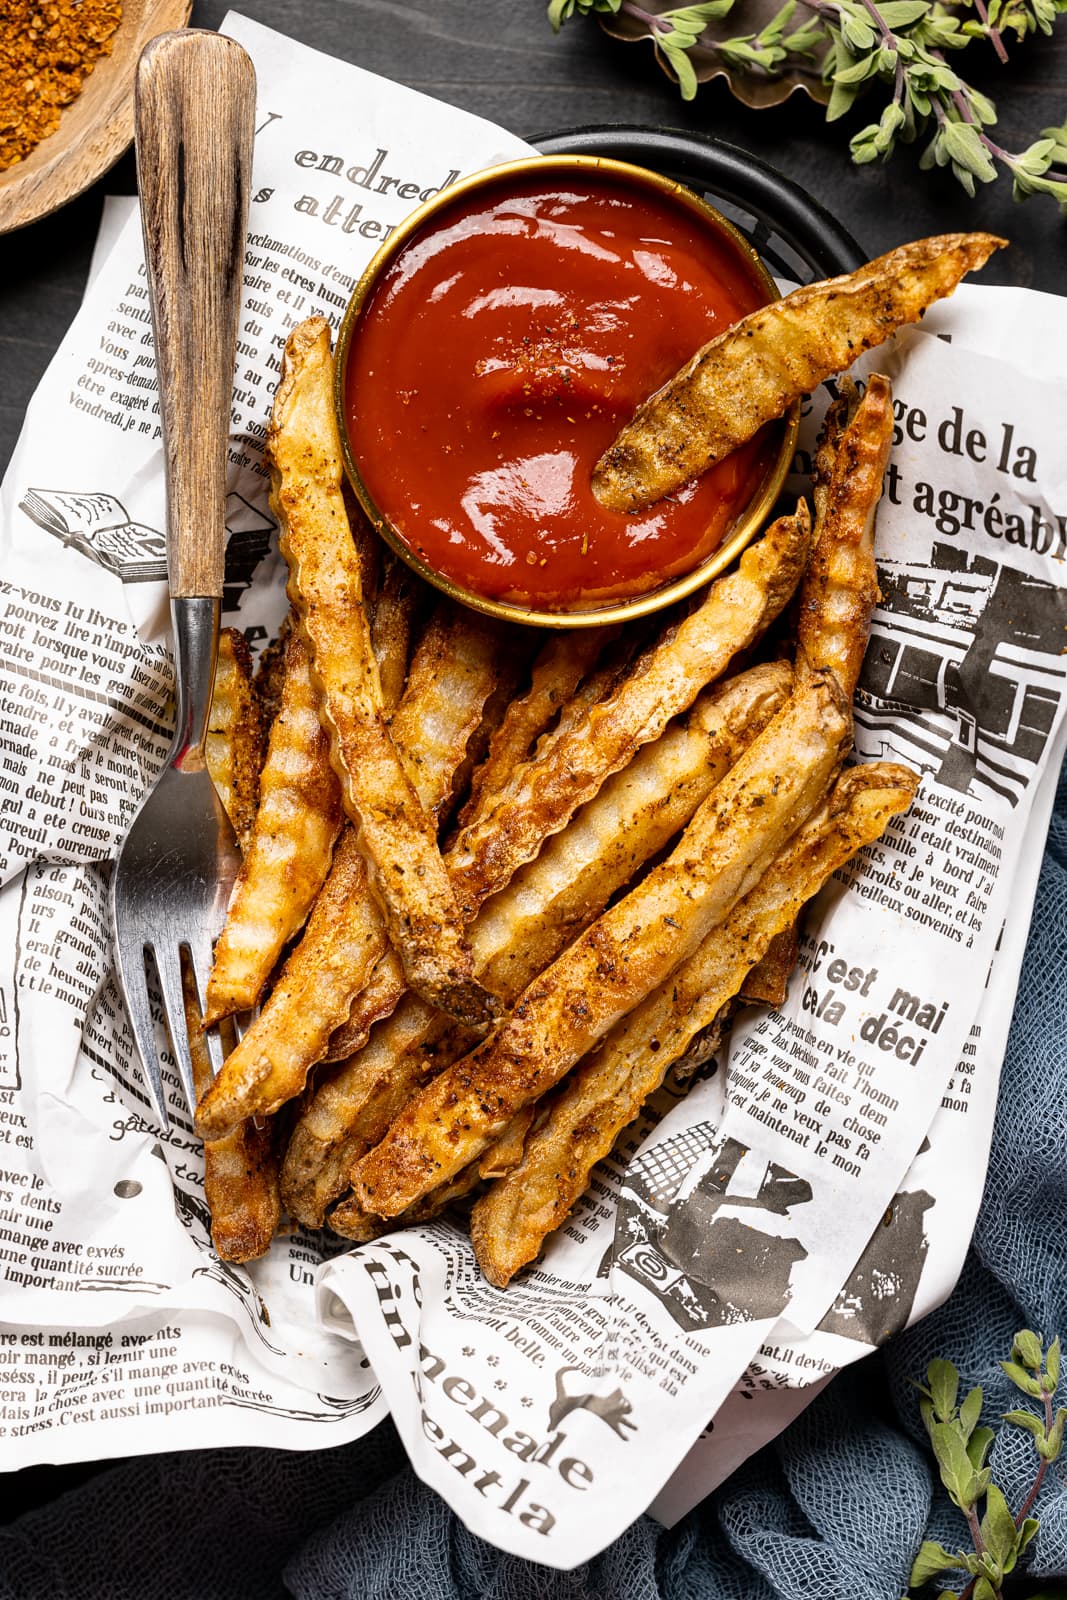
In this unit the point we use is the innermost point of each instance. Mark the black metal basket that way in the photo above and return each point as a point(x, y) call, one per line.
point(795, 235)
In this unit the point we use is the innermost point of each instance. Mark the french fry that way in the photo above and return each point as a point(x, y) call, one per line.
point(606, 1091)
point(391, 626)
point(235, 734)
point(350, 1221)
point(560, 666)
point(624, 955)
point(839, 590)
point(752, 372)
point(241, 1170)
point(665, 681)
point(522, 929)
point(288, 855)
point(405, 870)
point(451, 677)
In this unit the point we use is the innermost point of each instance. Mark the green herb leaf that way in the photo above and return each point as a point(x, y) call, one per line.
point(998, 1529)
point(1021, 1379)
point(978, 1447)
point(1052, 1359)
point(932, 1559)
point(944, 1381)
point(1026, 1349)
point(902, 13)
point(970, 1411)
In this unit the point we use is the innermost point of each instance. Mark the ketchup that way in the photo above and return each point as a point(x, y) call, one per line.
point(496, 359)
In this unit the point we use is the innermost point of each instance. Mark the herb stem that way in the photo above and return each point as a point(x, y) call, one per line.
point(1042, 1467)
point(994, 34)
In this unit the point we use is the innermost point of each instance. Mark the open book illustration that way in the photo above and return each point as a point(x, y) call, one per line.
point(99, 526)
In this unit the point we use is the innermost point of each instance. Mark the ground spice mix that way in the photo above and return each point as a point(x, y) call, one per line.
point(46, 50)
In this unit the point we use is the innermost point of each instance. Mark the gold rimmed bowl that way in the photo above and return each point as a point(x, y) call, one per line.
point(763, 482)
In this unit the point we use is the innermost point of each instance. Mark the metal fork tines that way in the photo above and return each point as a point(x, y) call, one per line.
point(172, 881)
point(195, 114)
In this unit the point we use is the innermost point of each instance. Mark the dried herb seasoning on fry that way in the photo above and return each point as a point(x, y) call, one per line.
point(46, 52)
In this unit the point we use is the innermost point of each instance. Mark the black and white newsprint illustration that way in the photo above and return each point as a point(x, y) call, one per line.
point(977, 646)
point(98, 527)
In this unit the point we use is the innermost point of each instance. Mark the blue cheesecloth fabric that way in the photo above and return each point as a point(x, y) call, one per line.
point(832, 1510)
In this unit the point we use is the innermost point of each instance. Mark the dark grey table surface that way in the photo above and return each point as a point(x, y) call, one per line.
point(500, 59)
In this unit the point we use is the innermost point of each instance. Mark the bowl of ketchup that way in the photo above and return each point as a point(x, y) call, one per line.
point(491, 352)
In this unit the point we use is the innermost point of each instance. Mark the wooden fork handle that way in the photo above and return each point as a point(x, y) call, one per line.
point(195, 120)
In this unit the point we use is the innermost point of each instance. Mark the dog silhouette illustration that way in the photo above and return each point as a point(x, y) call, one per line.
point(613, 1408)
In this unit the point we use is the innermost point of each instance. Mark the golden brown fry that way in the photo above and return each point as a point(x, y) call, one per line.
point(559, 668)
point(452, 675)
point(406, 873)
point(768, 982)
point(752, 372)
point(522, 929)
point(665, 681)
point(840, 588)
point(270, 674)
point(554, 898)
point(391, 626)
point(606, 1091)
point(288, 855)
point(235, 734)
point(620, 959)
point(240, 1171)
point(352, 1222)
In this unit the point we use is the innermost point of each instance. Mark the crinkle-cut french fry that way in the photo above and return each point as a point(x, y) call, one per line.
point(241, 1170)
point(235, 734)
point(525, 927)
point(509, 675)
point(352, 1222)
point(391, 627)
point(553, 898)
point(406, 873)
point(626, 953)
point(768, 982)
point(607, 1089)
point(839, 590)
point(754, 370)
point(288, 855)
point(665, 681)
point(560, 666)
point(270, 1065)
point(452, 675)
point(370, 1005)
point(270, 674)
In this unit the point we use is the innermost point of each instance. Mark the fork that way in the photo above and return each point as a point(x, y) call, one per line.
point(195, 115)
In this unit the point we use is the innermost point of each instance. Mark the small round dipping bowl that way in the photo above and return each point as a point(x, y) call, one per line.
point(773, 462)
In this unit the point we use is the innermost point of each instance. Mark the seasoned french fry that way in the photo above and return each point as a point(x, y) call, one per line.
point(522, 929)
point(753, 371)
point(352, 1222)
point(391, 626)
point(560, 666)
point(839, 590)
point(606, 1091)
point(665, 681)
point(620, 959)
point(240, 1171)
point(406, 873)
point(451, 677)
point(288, 855)
point(768, 982)
point(235, 734)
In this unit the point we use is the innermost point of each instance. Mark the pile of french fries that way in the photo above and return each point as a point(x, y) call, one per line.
point(497, 883)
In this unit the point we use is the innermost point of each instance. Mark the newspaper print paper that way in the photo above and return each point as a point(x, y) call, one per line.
point(732, 1253)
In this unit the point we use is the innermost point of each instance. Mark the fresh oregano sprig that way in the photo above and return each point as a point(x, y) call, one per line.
point(903, 46)
point(961, 1446)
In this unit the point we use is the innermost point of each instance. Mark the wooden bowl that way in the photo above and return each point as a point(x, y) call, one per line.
point(94, 129)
